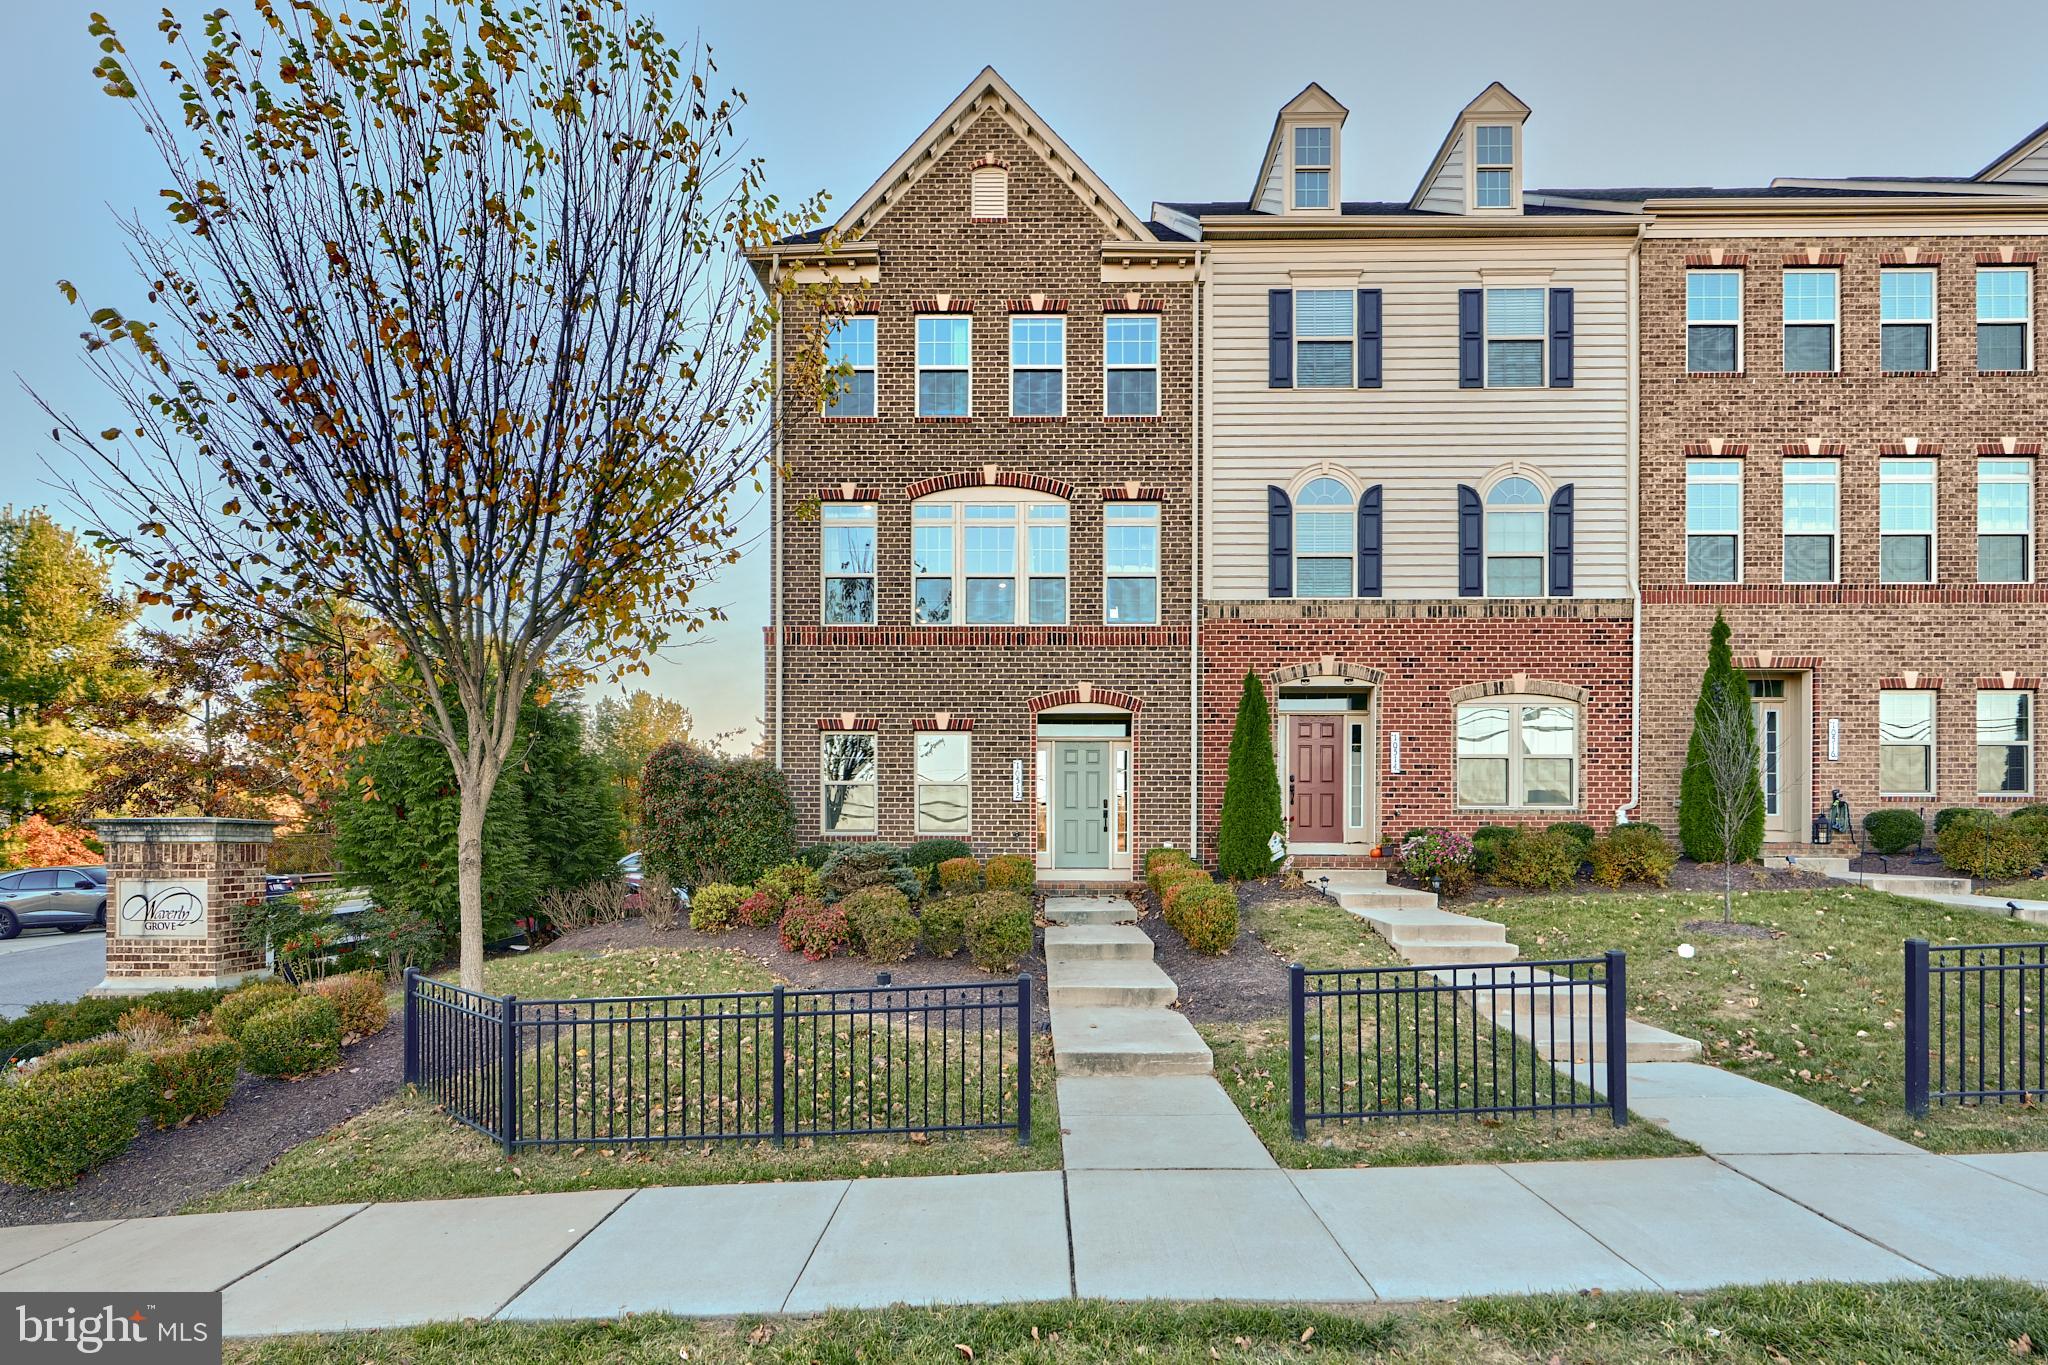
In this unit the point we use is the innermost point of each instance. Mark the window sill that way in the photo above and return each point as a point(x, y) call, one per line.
point(1909, 374)
point(964, 418)
point(845, 417)
point(1047, 420)
point(1520, 810)
point(1716, 374)
point(2003, 374)
point(1131, 417)
point(1812, 374)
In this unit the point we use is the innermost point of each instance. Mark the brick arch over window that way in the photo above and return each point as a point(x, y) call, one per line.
point(1326, 668)
point(988, 476)
point(1520, 686)
point(1087, 694)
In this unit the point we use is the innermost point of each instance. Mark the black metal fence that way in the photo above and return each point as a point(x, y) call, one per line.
point(772, 1064)
point(1975, 1027)
point(1423, 1042)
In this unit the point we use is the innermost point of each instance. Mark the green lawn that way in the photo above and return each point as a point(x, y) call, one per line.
point(406, 1148)
point(1947, 1321)
point(1817, 1009)
point(2032, 889)
point(1251, 1062)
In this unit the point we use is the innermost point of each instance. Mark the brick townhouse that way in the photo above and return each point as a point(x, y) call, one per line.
point(982, 551)
point(1842, 423)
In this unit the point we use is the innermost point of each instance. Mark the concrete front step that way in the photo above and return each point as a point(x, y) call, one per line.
point(1901, 884)
point(1825, 864)
point(1398, 926)
point(1337, 879)
point(1096, 943)
point(1386, 898)
point(1111, 1041)
point(1565, 1024)
point(1109, 983)
point(1427, 953)
point(1090, 910)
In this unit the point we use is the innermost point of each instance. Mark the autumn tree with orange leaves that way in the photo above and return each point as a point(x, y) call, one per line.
point(449, 330)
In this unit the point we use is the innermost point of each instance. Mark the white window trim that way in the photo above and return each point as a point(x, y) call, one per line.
point(1541, 337)
point(825, 784)
point(2027, 744)
point(919, 783)
point(1740, 532)
point(1834, 324)
point(1024, 500)
point(2027, 483)
point(1933, 482)
point(1741, 314)
point(1542, 512)
point(1335, 206)
point(1786, 479)
point(1158, 554)
point(1933, 745)
point(917, 358)
point(1294, 493)
point(873, 370)
point(872, 521)
point(1015, 368)
point(1328, 338)
point(1512, 166)
point(1158, 343)
point(1514, 705)
point(1932, 323)
point(2027, 322)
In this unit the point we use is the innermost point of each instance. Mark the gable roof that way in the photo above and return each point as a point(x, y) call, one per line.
point(988, 93)
point(1494, 99)
point(1313, 99)
point(2015, 154)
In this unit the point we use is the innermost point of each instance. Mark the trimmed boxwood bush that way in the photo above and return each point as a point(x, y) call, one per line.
point(57, 1125)
point(714, 906)
point(1487, 842)
point(926, 854)
point(1180, 886)
point(943, 924)
point(1206, 916)
point(292, 1037)
point(111, 1050)
point(1893, 830)
point(1538, 860)
point(784, 880)
point(1991, 850)
point(998, 930)
point(881, 924)
point(1168, 871)
point(246, 1002)
point(188, 1078)
point(1011, 872)
point(358, 998)
point(1948, 815)
point(714, 819)
point(1580, 834)
point(853, 866)
point(50, 1023)
point(813, 928)
point(1165, 854)
point(1633, 853)
point(956, 875)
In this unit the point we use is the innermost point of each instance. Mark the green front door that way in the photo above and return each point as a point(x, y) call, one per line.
point(1080, 815)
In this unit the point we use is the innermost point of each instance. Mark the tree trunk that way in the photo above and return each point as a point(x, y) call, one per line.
point(1728, 884)
point(476, 786)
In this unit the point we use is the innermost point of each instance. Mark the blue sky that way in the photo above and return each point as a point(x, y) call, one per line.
point(1165, 101)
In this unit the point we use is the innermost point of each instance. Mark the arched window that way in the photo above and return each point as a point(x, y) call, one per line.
point(1325, 539)
point(989, 557)
point(1514, 539)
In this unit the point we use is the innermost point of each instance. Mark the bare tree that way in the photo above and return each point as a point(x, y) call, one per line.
point(1724, 753)
point(456, 334)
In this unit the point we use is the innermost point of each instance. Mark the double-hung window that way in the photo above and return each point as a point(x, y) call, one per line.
point(1812, 519)
point(1130, 563)
point(1493, 167)
point(1514, 338)
point(943, 788)
point(2005, 521)
point(1905, 310)
point(1713, 521)
point(1130, 365)
point(1713, 321)
point(1038, 365)
point(847, 545)
point(1312, 168)
point(1325, 540)
point(2005, 318)
point(1514, 539)
point(1812, 318)
point(1325, 332)
point(850, 356)
point(988, 563)
point(848, 783)
point(2005, 743)
point(945, 344)
point(1905, 743)
point(1517, 754)
point(1905, 521)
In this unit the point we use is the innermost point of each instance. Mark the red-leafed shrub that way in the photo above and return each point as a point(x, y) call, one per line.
point(813, 928)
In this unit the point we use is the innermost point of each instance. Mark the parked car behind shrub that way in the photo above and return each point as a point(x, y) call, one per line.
point(292, 1037)
point(880, 922)
point(998, 930)
point(1893, 830)
point(55, 1125)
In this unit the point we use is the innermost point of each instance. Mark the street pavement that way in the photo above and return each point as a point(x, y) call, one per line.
point(43, 964)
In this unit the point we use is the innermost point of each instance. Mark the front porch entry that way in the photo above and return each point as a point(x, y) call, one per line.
point(1327, 770)
point(1784, 753)
point(1084, 792)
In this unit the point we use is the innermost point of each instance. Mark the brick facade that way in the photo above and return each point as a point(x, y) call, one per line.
point(1848, 640)
point(230, 857)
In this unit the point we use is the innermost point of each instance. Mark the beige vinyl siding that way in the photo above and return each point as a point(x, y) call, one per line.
point(2029, 169)
point(1446, 193)
point(1420, 435)
point(1273, 195)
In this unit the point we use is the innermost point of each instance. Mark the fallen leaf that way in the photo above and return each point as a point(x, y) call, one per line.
point(761, 1335)
point(966, 1351)
point(2022, 1346)
point(1306, 1335)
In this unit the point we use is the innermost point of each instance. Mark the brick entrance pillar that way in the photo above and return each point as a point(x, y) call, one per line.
point(178, 889)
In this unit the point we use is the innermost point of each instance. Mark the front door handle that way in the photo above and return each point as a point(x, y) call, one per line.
point(1105, 815)
point(1290, 789)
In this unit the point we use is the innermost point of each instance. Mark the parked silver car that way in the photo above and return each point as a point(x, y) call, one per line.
point(66, 898)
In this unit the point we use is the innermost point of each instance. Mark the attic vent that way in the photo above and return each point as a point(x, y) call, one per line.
point(990, 199)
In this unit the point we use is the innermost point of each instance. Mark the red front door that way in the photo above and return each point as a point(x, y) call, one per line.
point(1315, 779)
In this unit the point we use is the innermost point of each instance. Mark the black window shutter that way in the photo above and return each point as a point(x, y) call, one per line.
point(1279, 338)
point(1369, 542)
point(1279, 543)
point(1561, 542)
point(1368, 338)
point(1560, 339)
point(1471, 339)
point(1471, 543)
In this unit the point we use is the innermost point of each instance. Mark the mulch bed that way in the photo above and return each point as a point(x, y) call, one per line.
point(1247, 983)
point(164, 1171)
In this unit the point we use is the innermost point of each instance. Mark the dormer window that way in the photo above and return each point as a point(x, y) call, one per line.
point(1494, 167)
point(1312, 167)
